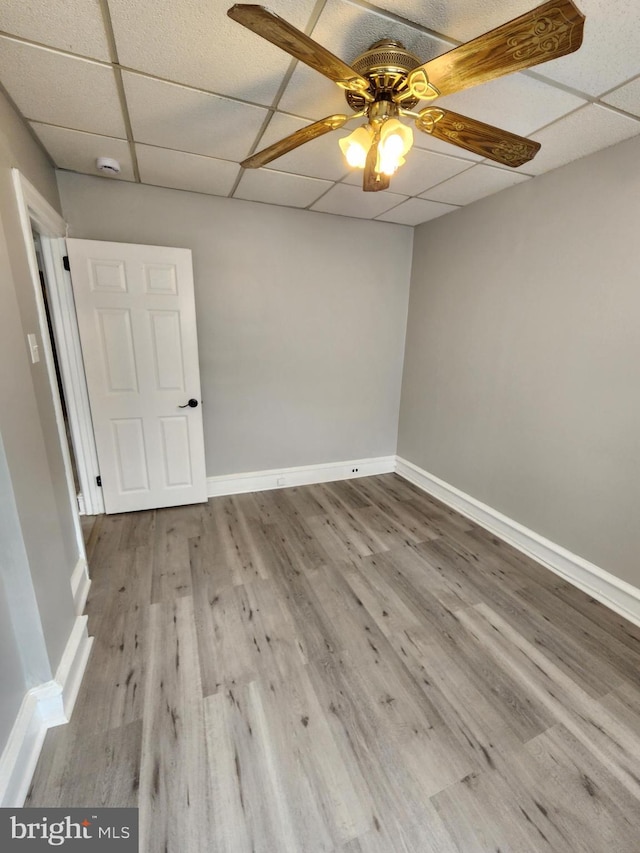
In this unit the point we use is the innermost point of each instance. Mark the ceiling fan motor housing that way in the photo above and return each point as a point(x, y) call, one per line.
point(386, 65)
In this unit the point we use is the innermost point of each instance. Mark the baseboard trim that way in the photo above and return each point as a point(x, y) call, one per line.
point(20, 755)
point(305, 475)
point(72, 666)
point(80, 583)
point(611, 591)
point(50, 704)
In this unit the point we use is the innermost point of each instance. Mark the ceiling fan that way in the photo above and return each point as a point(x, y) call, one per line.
point(387, 82)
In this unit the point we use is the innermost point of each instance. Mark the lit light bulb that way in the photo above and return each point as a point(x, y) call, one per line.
point(389, 166)
point(356, 155)
point(395, 140)
point(393, 146)
point(391, 154)
point(355, 147)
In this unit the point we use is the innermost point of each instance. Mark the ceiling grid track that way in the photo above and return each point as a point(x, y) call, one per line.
point(117, 71)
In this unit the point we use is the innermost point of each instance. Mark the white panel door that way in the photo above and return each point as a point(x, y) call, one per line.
point(137, 321)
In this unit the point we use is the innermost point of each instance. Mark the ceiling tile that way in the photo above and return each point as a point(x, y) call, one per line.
point(73, 25)
point(57, 89)
point(416, 210)
point(610, 51)
point(462, 19)
point(194, 42)
point(320, 158)
point(76, 150)
point(422, 170)
point(180, 171)
point(516, 103)
point(312, 96)
point(583, 132)
point(172, 116)
point(608, 55)
point(352, 201)
point(626, 98)
point(473, 184)
point(430, 143)
point(348, 30)
point(280, 188)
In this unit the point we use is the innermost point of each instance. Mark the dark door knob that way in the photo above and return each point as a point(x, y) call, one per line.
point(192, 404)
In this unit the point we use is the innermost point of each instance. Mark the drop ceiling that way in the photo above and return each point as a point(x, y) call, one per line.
point(180, 94)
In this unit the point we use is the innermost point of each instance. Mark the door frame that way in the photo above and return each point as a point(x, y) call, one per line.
point(36, 213)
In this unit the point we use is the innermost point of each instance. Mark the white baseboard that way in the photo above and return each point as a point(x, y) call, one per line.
point(20, 755)
point(50, 704)
point(305, 475)
point(80, 583)
point(72, 666)
point(611, 591)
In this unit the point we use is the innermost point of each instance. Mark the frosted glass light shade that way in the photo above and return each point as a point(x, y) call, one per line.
point(356, 146)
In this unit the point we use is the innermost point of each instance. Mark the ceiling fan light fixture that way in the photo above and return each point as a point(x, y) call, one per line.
point(396, 140)
point(356, 146)
point(387, 80)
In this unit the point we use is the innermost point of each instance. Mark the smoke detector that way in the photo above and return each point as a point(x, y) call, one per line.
point(108, 166)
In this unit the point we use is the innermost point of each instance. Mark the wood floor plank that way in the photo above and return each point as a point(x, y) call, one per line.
point(523, 714)
point(478, 568)
point(303, 501)
point(171, 566)
point(319, 637)
point(245, 633)
point(432, 579)
point(345, 524)
point(483, 714)
point(394, 486)
point(594, 811)
point(596, 661)
point(77, 769)
point(355, 628)
point(400, 809)
point(348, 494)
point(278, 770)
point(608, 620)
point(297, 539)
point(233, 535)
point(347, 668)
point(112, 691)
point(617, 746)
point(379, 598)
point(174, 795)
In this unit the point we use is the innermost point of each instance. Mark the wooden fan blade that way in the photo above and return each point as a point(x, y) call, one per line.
point(283, 146)
point(285, 36)
point(484, 139)
point(373, 181)
point(552, 30)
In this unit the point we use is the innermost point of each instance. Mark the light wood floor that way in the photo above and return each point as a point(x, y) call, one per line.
point(347, 667)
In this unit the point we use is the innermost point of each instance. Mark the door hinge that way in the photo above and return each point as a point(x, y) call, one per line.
point(65, 263)
point(99, 480)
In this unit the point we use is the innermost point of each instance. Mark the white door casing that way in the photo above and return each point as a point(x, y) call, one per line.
point(136, 315)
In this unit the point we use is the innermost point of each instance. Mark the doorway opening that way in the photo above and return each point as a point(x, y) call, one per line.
point(44, 288)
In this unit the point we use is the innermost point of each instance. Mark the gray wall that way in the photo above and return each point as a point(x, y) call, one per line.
point(37, 546)
point(301, 318)
point(522, 370)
